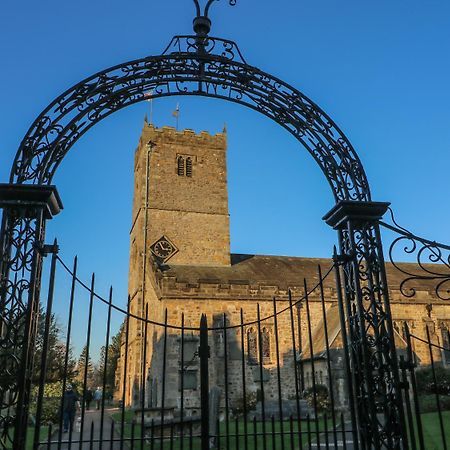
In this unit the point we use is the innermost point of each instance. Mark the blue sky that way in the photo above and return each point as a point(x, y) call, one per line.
point(380, 69)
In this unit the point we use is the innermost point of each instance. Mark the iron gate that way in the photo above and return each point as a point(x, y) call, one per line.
point(223, 381)
point(205, 66)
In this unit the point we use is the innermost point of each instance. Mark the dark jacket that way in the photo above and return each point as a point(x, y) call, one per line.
point(70, 400)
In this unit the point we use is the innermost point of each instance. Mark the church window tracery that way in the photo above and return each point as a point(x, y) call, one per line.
point(258, 348)
point(252, 348)
point(265, 345)
point(445, 334)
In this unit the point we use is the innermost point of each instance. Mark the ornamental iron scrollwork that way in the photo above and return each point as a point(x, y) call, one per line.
point(214, 68)
point(432, 262)
point(20, 281)
point(370, 346)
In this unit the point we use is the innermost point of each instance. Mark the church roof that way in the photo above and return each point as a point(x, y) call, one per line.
point(288, 272)
point(281, 271)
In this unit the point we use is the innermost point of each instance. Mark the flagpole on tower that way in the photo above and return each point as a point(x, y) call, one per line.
point(151, 109)
point(176, 114)
point(149, 97)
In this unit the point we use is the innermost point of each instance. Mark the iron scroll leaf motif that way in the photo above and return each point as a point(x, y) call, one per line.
point(13, 300)
point(433, 261)
point(372, 354)
point(191, 65)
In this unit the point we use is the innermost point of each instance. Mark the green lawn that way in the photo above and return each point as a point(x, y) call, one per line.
point(30, 436)
point(432, 434)
point(272, 439)
point(256, 439)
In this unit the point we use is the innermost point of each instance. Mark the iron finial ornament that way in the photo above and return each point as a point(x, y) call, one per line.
point(202, 23)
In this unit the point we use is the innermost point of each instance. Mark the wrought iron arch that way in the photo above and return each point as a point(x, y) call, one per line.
point(203, 66)
point(209, 67)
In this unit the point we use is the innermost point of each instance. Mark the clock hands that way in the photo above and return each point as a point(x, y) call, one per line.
point(163, 248)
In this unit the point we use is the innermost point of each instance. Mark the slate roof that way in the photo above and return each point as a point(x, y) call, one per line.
point(281, 271)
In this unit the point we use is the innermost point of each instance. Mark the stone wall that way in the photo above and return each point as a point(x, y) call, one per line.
point(192, 211)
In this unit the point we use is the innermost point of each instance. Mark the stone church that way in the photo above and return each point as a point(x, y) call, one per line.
point(181, 267)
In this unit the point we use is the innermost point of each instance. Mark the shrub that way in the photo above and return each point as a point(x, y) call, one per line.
point(51, 402)
point(238, 405)
point(322, 396)
point(428, 403)
point(425, 381)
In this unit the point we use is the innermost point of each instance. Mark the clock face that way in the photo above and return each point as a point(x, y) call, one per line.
point(163, 248)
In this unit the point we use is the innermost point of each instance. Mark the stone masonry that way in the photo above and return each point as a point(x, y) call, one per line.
point(187, 204)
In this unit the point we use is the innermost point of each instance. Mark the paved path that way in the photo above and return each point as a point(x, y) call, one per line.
point(91, 435)
point(348, 445)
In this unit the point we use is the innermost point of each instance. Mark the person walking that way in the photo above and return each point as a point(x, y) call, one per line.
point(71, 403)
point(98, 397)
point(88, 398)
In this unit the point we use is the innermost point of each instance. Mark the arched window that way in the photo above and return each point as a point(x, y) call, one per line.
point(445, 334)
point(265, 345)
point(180, 166)
point(252, 348)
point(404, 335)
point(189, 167)
point(396, 327)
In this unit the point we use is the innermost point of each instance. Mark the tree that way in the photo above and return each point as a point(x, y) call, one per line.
point(56, 352)
point(111, 363)
point(113, 358)
point(81, 368)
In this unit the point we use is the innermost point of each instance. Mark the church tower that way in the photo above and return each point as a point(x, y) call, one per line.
point(180, 218)
point(180, 206)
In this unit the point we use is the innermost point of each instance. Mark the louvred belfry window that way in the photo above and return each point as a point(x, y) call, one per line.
point(185, 165)
point(180, 166)
point(189, 167)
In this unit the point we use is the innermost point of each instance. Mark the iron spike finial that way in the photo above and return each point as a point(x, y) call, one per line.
point(202, 23)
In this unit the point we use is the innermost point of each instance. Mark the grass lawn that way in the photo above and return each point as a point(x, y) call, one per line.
point(272, 439)
point(30, 436)
point(256, 439)
point(432, 431)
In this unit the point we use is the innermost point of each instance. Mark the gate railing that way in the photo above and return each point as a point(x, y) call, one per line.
point(426, 392)
point(422, 334)
point(272, 376)
point(275, 377)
